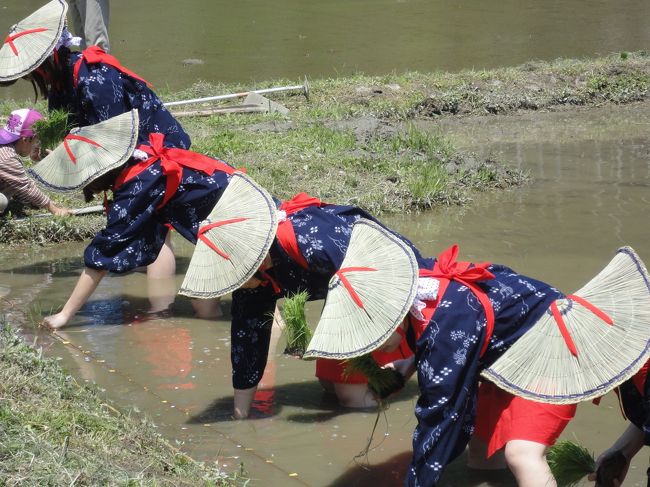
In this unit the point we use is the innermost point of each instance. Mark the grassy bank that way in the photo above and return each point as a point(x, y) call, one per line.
point(54, 431)
point(356, 140)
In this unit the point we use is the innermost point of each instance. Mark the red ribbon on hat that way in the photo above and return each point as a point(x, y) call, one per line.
point(210, 226)
point(94, 55)
point(344, 280)
point(447, 269)
point(562, 325)
point(76, 137)
point(12, 37)
point(172, 161)
point(285, 234)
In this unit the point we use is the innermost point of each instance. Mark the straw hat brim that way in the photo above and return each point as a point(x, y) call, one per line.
point(248, 221)
point(539, 366)
point(34, 47)
point(75, 163)
point(382, 271)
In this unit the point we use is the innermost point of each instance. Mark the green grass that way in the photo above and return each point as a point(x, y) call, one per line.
point(54, 431)
point(355, 140)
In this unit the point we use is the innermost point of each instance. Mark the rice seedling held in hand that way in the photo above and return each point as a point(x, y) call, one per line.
point(52, 130)
point(381, 381)
point(569, 462)
point(296, 327)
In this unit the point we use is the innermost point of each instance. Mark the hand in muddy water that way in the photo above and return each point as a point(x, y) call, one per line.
point(611, 468)
point(56, 321)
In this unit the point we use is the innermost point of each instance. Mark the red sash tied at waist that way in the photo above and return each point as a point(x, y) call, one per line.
point(285, 234)
point(447, 269)
point(94, 55)
point(172, 161)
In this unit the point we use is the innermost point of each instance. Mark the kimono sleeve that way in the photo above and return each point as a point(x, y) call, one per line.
point(447, 371)
point(133, 236)
point(252, 319)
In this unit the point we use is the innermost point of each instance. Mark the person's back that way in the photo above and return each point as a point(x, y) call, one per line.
point(94, 87)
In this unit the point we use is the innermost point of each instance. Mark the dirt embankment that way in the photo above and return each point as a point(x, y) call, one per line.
point(355, 140)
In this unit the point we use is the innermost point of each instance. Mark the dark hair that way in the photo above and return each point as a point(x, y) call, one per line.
point(102, 183)
point(47, 74)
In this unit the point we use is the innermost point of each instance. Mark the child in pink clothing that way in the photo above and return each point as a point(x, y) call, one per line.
point(17, 139)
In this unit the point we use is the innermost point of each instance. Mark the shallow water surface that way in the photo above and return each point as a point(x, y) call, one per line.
point(175, 44)
point(590, 195)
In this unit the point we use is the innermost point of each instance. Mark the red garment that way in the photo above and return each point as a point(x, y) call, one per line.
point(94, 55)
point(640, 377)
point(447, 269)
point(172, 161)
point(501, 417)
point(285, 234)
point(333, 370)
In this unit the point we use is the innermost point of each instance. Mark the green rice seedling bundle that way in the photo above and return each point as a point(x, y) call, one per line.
point(382, 382)
point(570, 463)
point(51, 130)
point(296, 327)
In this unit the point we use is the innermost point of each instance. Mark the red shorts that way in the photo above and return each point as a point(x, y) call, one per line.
point(332, 370)
point(501, 417)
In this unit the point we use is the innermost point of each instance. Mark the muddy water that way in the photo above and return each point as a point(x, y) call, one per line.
point(176, 43)
point(590, 195)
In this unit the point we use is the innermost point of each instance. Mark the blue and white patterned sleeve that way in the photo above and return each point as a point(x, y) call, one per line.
point(252, 319)
point(134, 232)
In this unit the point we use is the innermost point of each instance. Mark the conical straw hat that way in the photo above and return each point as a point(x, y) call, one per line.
point(368, 297)
point(233, 241)
point(32, 40)
point(88, 152)
point(540, 365)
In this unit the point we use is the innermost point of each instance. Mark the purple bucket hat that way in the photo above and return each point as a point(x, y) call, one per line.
point(19, 125)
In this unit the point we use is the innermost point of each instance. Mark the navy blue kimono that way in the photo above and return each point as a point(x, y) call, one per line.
point(323, 235)
point(135, 230)
point(102, 92)
point(448, 362)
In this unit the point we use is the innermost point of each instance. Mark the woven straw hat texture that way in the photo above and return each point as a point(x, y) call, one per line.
point(349, 327)
point(540, 366)
point(31, 40)
point(246, 219)
point(88, 152)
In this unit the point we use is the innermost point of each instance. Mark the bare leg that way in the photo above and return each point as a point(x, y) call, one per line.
point(165, 264)
point(161, 293)
point(207, 309)
point(527, 461)
point(354, 395)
